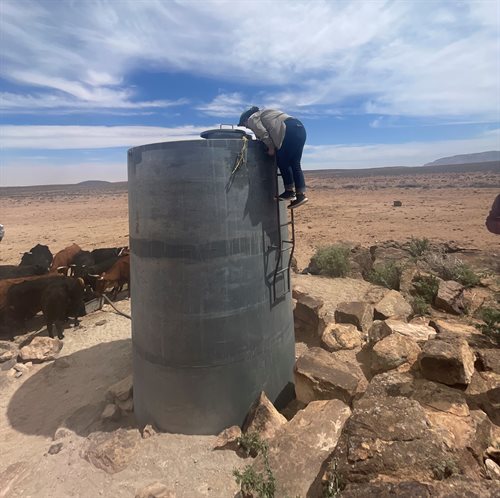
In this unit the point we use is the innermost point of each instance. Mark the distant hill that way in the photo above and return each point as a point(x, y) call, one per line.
point(93, 183)
point(487, 167)
point(479, 157)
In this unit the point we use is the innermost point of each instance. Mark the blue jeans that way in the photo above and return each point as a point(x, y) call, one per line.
point(289, 155)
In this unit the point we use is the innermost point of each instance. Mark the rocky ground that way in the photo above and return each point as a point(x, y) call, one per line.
point(390, 401)
point(397, 365)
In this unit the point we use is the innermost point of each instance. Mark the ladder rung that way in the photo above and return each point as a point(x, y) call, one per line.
point(288, 241)
point(281, 271)
point(286, 249)
point(285, 224)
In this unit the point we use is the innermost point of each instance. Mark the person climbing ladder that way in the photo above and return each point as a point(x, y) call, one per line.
point(284, 137)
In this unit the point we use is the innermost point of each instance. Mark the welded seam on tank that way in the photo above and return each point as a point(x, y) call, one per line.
point(146, 248)
point(269, 345)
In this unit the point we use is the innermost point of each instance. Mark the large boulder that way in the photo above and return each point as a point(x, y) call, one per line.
point(446, 408)
point(337, 336)
point(41, 349)
point(392, 438)
point(112, 451)
point(299, 449)
point(357, 313)
point(263, 418)
point(320, 375)
point(333, 291)
point(448, 360)
point(451, 487)
point(392, 352)
point(483, 393)
point(449, 297)
point(393, 305)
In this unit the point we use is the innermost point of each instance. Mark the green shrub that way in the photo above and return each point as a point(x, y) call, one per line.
point(251, 482)
point(491, 325)
point(387, 275)
point(445, 469)
point(334, 482)
point(418, 247)
point(426, 288)
point(420, 305)
point(332, 260)
point(449, 267)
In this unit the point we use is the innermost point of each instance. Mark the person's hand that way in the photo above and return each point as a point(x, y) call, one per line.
point(270, 151)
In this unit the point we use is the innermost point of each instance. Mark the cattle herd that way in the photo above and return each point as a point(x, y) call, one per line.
point(58, 285)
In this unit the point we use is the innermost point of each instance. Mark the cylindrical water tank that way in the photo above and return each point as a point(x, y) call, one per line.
point(208, 335)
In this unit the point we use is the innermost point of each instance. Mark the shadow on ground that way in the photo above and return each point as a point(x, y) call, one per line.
point(70, 392)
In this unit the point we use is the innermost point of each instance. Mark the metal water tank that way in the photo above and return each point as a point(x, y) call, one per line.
point(208, 335)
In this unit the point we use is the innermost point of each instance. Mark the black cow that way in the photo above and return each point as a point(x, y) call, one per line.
point(90, 274)
point(101, 255)
point(39, 255)
point(60, 300)
point(12, 271)
point(24, 299)
point(83, 258)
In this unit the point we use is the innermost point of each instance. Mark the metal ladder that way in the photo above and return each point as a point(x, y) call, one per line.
point(284, 246)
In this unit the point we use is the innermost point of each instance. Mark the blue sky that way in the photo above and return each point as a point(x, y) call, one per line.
point(376, 83)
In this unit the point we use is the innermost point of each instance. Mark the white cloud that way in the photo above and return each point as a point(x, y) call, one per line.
point(90, 137)
point(403, 154)
point(41, 169)
point(400, 58)
point(224, 105)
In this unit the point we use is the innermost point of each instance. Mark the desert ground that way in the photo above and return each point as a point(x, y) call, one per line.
point(443, 207)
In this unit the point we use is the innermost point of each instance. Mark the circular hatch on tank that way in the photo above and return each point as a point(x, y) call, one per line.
point(224, 134)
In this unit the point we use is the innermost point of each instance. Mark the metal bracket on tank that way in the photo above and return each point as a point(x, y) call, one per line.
point(241, 158)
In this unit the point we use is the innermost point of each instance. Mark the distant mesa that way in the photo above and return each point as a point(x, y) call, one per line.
point(94, 183)
point(479, 157)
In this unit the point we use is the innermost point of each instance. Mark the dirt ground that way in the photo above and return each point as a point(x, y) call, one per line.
point(441, 207)
point(70, 393)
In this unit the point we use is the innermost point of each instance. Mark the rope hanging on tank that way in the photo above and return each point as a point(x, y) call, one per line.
point(241, 158)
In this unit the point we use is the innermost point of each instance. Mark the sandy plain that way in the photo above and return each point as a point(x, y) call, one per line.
point(443, 207)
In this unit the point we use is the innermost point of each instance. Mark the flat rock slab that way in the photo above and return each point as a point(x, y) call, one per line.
point(332, 291)
point(319, 375)
point(41, 349)
point(299, 449)
point(120, 391)
point(112, 451)
point(417, 332)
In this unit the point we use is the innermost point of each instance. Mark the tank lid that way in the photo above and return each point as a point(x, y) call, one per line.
point(224, 133)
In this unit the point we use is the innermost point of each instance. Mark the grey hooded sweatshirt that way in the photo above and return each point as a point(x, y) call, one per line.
point(269, 126)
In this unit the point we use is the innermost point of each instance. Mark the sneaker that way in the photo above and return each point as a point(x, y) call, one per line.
point(301, 199)
point(287, 195)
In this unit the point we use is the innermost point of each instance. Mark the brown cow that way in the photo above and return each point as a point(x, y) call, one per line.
point(117, 276)
point(6, 327)
point(9, 282)
point(64, 257)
